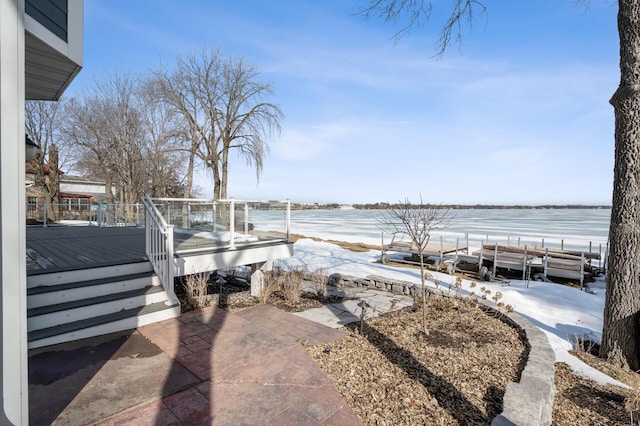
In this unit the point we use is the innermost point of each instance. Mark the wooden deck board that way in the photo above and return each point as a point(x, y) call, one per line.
point(67, 247)
point(59, 248)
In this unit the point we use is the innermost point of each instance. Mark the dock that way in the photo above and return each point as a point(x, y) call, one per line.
point(492, 259)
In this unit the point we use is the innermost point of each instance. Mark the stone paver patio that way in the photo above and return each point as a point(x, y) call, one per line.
point(206, 367)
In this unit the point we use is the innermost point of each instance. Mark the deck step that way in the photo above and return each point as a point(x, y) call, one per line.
point(44, 278)
point(74, 291)
point(104, 324)
point(51, 315)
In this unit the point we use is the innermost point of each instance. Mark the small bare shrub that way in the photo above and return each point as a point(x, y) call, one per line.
point(319, 279)
point(292, 284)
point(582, 344)
point(196, 288)
point(458, 285)
point(272, 282)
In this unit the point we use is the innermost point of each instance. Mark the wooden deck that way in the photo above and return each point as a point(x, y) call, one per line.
point(60, 248)
point(63, 248)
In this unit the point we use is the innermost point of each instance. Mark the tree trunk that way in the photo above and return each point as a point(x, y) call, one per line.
point(52, 186)
point(217, 183)
point(189, 183)
point(225, 172)
point(622, 304)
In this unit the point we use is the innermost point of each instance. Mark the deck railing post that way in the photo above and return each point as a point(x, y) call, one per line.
point(137, 213)
point(147, 232)
point(288, 220)
point(189, 216)
point(246, 218)
point(214, 216)
point(232, 223)
point(169, 262)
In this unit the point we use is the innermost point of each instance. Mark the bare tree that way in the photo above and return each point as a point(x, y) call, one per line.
point(224, 105)
point(416, 222)
point(246, 117)
point(621, 330)
point(192, 92)
point(107, 125)
point(43, 123)
point(164, 132)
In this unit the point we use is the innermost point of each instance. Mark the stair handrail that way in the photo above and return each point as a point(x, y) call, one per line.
point(111, 218)
point(159, 246)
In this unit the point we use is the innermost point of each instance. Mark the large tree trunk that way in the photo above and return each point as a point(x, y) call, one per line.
point(620, 333)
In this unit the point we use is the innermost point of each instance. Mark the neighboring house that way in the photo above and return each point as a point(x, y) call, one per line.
point(76, 188)
point(40, 53)
point(76, 193)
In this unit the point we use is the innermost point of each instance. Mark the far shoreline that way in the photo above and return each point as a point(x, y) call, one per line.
point(386, 206)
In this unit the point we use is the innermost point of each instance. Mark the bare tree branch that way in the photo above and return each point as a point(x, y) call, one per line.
point(415, 13)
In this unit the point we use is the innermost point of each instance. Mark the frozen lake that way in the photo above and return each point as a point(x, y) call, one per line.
point(572, 228)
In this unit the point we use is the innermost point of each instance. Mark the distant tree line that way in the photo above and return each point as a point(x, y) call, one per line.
point(148, 134)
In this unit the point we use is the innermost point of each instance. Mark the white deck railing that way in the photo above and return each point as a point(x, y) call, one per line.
point(159, 246)
point(229, 222)
point(101, 214)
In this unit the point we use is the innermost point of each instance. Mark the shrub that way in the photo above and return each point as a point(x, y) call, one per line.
point(319, 279)
point(196, 289)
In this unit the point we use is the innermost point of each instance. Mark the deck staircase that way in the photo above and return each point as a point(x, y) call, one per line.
point(72, 305)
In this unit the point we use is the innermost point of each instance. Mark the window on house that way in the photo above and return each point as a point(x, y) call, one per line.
point(83, 203)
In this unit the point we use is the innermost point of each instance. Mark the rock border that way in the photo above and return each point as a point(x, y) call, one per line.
point(528, 402)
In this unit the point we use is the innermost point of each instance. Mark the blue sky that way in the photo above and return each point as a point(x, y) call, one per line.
point(518, 114)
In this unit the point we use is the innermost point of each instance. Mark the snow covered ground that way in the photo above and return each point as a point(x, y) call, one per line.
point(563, 313)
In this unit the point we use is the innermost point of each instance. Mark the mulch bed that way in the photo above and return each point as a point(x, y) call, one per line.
point(581, 401)
point(394, 373)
